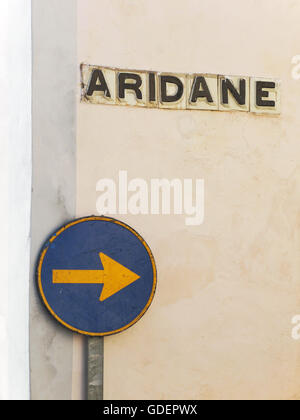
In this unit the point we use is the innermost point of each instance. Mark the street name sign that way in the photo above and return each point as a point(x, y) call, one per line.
point(197, 91)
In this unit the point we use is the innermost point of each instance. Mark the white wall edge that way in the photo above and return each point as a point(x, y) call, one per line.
point(15, 184)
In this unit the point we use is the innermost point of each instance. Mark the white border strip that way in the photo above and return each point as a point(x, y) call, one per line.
point(15, 175)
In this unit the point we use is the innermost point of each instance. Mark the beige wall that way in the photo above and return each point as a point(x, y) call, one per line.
point(220, 324)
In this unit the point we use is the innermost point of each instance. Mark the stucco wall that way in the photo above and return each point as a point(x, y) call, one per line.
point(220, 324)
point(54, 181)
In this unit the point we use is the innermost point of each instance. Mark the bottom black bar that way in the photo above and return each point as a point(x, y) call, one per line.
point(134, 408)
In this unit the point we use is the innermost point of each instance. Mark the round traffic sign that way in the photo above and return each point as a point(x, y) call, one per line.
point(97, 276)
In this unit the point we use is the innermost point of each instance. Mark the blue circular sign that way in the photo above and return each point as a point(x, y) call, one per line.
point(97, 276)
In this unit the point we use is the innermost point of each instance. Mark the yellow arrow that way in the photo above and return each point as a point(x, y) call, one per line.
point(114, 277)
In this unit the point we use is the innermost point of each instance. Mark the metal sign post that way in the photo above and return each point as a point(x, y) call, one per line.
point(95, 368)
point(97, 277)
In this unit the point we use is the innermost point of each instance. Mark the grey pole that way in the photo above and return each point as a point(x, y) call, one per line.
point(95, 368)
